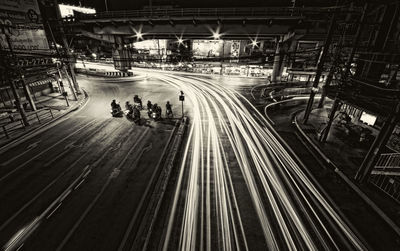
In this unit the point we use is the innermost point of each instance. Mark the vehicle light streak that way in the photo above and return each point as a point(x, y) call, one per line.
point(292, 213)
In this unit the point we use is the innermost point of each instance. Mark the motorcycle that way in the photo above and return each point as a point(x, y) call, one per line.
point(169, 113)
point(138, 105)
point(131, 115)
point(117, 111)
point(137, 102)
point(154, 115)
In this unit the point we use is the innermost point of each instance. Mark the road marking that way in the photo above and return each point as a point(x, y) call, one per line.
point(52, 212)
point(67, 148)
point(29, 148)
point(23, 234)
point(47, 149)
point(113, 174)
point(40, 193)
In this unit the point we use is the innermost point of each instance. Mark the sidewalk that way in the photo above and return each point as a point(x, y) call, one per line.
point(49, 108)
point(346, 152)
point(340, 153)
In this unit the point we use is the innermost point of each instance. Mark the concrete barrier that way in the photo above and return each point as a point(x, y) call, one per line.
point(111, 74)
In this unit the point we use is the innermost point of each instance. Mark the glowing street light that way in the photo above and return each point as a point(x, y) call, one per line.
point(254, 42)
point(139, 35)
point(180, 41)
point(216, 35)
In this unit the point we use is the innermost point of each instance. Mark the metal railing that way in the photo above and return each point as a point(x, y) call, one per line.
point(9, 126)
point(386, 175)
point(207, 12)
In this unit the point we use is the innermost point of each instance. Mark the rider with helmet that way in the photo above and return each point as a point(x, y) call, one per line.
point(168, 108)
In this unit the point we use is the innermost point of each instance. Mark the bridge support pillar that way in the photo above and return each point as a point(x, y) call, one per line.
point(121, 55)
point(278, 62)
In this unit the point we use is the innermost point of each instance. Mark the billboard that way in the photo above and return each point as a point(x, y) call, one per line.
point(207, 48)
point(23, 25)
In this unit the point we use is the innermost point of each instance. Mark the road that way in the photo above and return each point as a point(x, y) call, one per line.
point(74, 186)
point(238, 187)
point(78, 185)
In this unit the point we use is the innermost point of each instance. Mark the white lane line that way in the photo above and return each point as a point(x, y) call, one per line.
point(46, 150)
point(113, 174)
point(40, 193)
point(29, 148)
point(54, 210)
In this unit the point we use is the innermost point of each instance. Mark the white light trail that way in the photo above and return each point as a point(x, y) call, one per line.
point(291, 212)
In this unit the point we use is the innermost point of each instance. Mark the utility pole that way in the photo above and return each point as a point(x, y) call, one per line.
point(345, 77)
point(320, 66)
point(66, 48)
point(18, 103)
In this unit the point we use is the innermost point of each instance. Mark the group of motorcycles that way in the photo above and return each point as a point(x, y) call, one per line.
point(132, 111)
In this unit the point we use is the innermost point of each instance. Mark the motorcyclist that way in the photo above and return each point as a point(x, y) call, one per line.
point(168, 108)
point(154, 107)
point(159, 111)
point(114, 104)
point(136, 99)
point(149, 105)
point(136, 113)
point(127, 105)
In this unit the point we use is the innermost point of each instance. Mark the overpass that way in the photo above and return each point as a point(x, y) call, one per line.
point(285, 24)
point(196, 23)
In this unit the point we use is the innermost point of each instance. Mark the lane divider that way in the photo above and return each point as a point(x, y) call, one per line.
point(44, 151)
point(112, 176)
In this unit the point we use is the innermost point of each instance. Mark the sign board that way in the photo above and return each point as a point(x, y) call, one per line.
point(24, 23)
point(235, 50)
point(181, 98)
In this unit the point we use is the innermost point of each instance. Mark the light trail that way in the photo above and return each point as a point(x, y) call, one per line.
point(292, 214)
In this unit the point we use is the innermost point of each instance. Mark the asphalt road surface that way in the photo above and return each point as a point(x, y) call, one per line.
point(75, 186)
point(78, 185)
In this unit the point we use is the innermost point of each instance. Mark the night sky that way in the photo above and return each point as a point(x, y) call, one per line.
point(139, 4)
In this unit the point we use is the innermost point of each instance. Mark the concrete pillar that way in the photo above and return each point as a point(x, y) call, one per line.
point(121, 55)
point(276, 69)
point(28, 94)
point(18, 103)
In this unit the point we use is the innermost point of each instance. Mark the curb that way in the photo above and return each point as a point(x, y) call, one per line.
point(161, 185)
point(351, 184)
point(281, 102)
point(155, 195)
point(45, 126)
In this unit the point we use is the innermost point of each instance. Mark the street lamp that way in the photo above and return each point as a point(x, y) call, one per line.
point(216, 35)
point(139, 35)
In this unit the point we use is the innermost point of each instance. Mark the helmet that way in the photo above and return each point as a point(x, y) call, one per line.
point(167, 102)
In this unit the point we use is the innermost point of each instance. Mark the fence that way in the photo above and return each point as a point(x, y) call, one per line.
point(9, 127)
point(386, 175)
